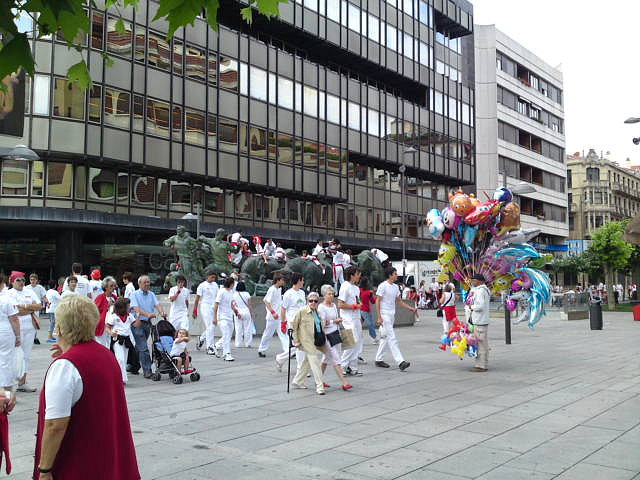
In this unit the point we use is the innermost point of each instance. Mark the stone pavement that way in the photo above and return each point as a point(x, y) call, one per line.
point(560, 402)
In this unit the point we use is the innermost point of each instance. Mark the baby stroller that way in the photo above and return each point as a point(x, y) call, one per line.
point(162, 336)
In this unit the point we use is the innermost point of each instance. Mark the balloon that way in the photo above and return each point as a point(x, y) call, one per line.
point(449, 218)
point(472, 351)
point(469, 235)
point(474, 201)
point(502, 283)
point(446, 254)
point(472, 339)
point(502, 194)
point(509, 218)
point(522, 281)
point(444, 341)
point(519, 252)
point(434, 223)
point(459, 347)
point(521, 236)
point(483, 212)
point(511, 305)
point(460, 203)
point(541, 261)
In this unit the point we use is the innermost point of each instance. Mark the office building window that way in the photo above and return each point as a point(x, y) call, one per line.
point(228, 73)
point(159, 52)
point(116, 108)
point(97, 30)
point(101, 184)
point(195, 63)
point(59, 179)
point(373, 28)
point(119, 43)
point(95, 103)
point(258, 83)
point(310, 101)
point(15, 177)
point(178, 57)
point(41, 94)
point(68, 99)
point(194, 127)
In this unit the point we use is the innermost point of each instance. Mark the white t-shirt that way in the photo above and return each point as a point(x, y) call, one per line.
point(224, 299)
point(388, 293)
point(119, 326)
point(328, 314)
point(274, 297)
point(63, 389)
point(317, 250)
point(349, 294)
point(380, 255)
point(241, 298)
point(53, 297)
point(280, 253)
point(208, 292)
point(39, 291)
point(23, 297)
point(179, 306)
point(178, 348)
point(292, 301)
point(338, 258)
point(66, 293)
point(83, 287)
point(129, 289)
point(7, 309)
point(235, 237)
point(259, 249)
point(95, 287)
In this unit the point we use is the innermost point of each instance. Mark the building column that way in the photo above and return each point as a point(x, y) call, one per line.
point(69, 249)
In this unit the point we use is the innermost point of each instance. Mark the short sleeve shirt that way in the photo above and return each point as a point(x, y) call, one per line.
point(180, 304)
point(292, 301)
point(82, 288)
point(349, 294)
point(119, 325)
point(274, 297)
point(128, 290)
point(22, 297)
point(178, 348)
point(208, 292)
point(224, 299)
point(388, 293)
point(63, 389)
point(7, 309)
point(146, 301)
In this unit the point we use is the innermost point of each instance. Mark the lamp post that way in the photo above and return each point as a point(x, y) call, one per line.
point(196, 217)
point(19, 152)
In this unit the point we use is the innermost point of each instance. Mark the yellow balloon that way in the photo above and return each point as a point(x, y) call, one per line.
point(502, 283)
point(460, 346)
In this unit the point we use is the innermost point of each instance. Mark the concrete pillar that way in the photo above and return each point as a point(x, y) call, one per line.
point(69, 249)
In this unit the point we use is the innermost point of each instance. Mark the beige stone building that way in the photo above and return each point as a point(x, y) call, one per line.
point(600, 191)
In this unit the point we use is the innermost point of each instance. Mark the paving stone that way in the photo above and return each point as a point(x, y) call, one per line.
point(473, 461)
point(586, 470)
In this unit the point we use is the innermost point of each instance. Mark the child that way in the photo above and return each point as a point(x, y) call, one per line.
point(179, 351)
point(179, 298)
point(118, 326)
point(53, 298)
point(72, 283)
point(243, 321)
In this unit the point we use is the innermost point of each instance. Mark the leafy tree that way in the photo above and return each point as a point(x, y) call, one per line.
point(70, 19)
point(611, 252)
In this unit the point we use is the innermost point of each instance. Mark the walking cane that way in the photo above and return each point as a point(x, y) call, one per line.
point(290, 334)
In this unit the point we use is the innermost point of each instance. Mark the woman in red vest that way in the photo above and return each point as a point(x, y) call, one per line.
point(104, 302)
point(82, 405)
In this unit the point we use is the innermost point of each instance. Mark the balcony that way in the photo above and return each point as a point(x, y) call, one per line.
point(624, 190)
point(597, 183)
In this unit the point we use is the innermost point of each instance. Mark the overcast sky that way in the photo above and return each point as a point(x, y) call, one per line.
point(596, 44)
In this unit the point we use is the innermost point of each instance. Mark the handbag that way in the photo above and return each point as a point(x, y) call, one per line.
point(439, 313)
point(334, 338)
point(319, 338)
point(348, 339)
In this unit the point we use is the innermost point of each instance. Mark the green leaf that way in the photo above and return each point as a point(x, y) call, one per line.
point(270, 8)
point(120, 26)
point(79, 73)
point(109, 3)
point(211, 7)
point(108, 60)
point(247, 14)
point(179, 13)
point(15, 54)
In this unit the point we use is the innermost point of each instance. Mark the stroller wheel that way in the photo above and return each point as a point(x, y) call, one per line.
point(156, 377)
point(195, 377)
point(172, 374)
point(177, 380)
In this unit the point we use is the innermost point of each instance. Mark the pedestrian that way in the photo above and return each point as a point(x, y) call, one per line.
point(53, 298)
point(38, 290)
point(368, 298)
point(83, 284)
point(105, 301)
point(179, 298)
point(479, 305)
point(27, 304)
point(332, 352)
point(82, 405)
point(448, 305)
point(243, 321)
point(206, 295)
point(71, 284)
point(9, 340)
point(304, 324)
point(144, 303)
point(129, 287)
point(293, 300)
point(3, 285)
point(224, 309)
point(95, 284)
point(387, 297)
point(350, 305)
point(338, 268)
point(118, 325)
point(179, 353)
point(273, 303)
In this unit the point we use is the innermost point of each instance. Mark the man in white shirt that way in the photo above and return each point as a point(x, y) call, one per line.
point(273, 303)
point(387, 297)
point(292, 301)
point(349, 305)
point(479, 299)
point(129, 287)
point(318, 249)
point(27, 304)
point(234, 239)
point(95, 284)
point(257, 241)
point(338, 269)
point(179, 298)
point(619, 293)
point(281, 255)
point(206, 295)
point(270, 249)
point(40, 293)
point(380, 255)
point(83, 284)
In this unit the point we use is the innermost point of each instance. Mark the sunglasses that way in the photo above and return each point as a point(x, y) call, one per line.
point(19, 280)
point(313, 301)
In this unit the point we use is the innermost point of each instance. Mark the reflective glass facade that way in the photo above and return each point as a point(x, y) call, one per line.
point(296, 125)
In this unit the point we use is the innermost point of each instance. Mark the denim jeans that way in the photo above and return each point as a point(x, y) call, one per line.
point(371, 325)
point(141, 335)
point(52, 322)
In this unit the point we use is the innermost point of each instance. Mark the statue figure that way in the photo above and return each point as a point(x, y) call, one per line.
point(371, 267)
point(186, 249)
point(219, 250)
point(314, 276)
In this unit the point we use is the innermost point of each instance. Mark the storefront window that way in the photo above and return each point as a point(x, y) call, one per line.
point(244, 205)
point(68, 99)
point(118, 43)
point(59, 179)
point(213, 200)
point(15, 177)
point(116, 108)
point(101, 184)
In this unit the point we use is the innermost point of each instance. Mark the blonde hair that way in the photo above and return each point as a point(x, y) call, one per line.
point(76, 319)
point(182, 330)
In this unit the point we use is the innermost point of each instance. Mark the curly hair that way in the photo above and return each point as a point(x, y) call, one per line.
point(76, 319)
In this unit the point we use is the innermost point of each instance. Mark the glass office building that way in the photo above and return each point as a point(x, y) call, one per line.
point(294, 128)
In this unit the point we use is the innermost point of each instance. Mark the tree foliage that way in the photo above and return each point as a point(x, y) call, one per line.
point(69, 18)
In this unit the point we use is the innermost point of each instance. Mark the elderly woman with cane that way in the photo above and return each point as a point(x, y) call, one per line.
point(306, 326)
point(83, 409)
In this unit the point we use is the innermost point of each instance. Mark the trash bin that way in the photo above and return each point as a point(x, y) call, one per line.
point(595, 313)
point(636, 313)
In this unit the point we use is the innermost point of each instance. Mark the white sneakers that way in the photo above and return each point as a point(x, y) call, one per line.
point(212, 351)
point(228, 358)
point(279, 365)
point(26, 388)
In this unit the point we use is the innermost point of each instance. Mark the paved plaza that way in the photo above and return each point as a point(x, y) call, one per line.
point(560, 402)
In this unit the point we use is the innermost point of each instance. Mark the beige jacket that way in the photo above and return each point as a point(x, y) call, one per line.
point(303, 328)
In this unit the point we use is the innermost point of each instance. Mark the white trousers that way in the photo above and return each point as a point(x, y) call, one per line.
point(104, 339)
point(121, 352)
point(350, 355)
point(226, 327)
point(7, 357)
point(338, 277)
point(244, 330)
point(389, 341)
point(209, 333)
point(180, 320)
point(310, 361)
point(27, 335)
point(273, 326)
